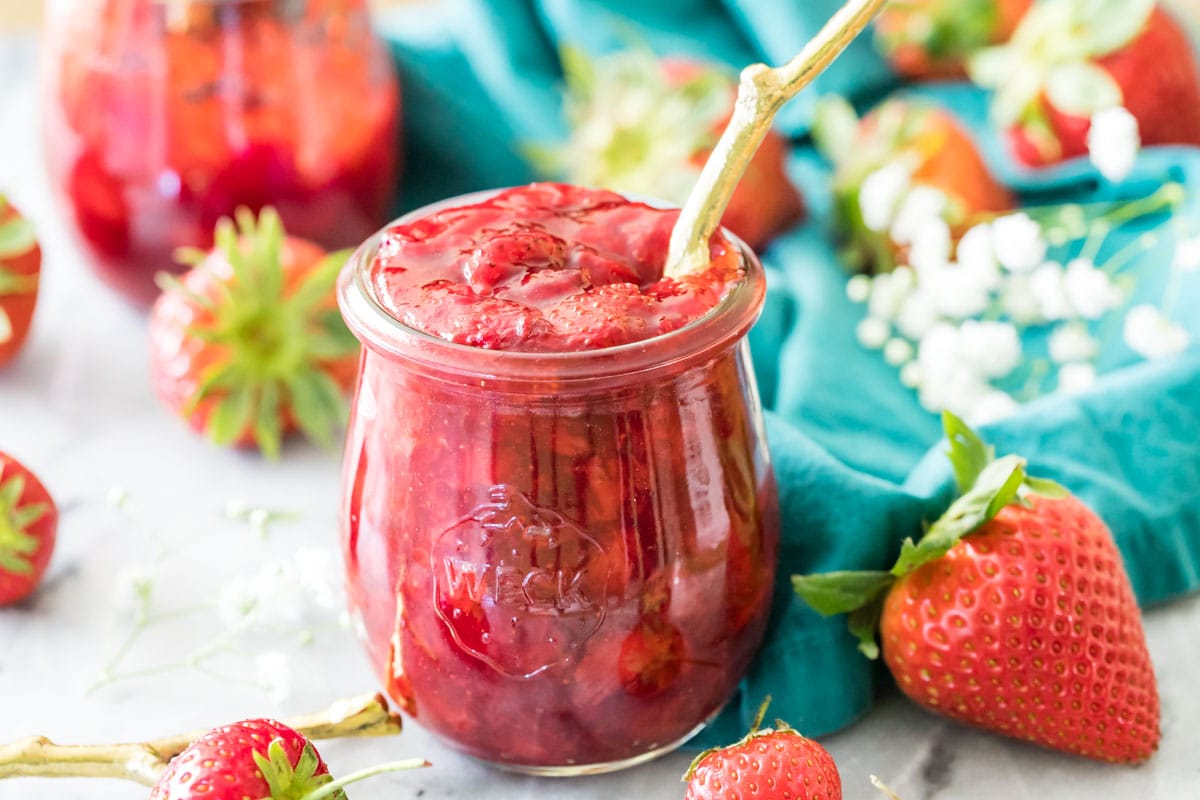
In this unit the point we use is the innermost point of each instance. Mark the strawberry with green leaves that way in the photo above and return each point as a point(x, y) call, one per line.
point(249, 344)
point(20, 272)
point(1071, 59)
point(645, 125)
point(919, 146)
point(28, 525)
point(1013, 613)
point(259, 759)
point(773, 764)
point(934, 38)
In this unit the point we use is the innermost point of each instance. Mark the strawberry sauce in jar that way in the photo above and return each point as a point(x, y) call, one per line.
point(559, 517)
point(162, 116)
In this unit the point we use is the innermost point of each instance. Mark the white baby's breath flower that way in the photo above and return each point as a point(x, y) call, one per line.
point(317, 572)
point(929, 251)
point(872, 333)
point(1150, 334)
point(992, 406)
point(1019, 243)
point(1075, 378)
point(236, 601)
point(273, 672)
point(1019, 302)
point(976, 249)
point(133, 588)
point(889, 292)
point(910, 374)
point(958, 293)
point(1048, 286)
point(1071, 342)
point(858, 289)
point(922, 205)
point(1187, 254)
point(917, 315)
point(1113, 142)
point(991, 348)
point(880, 194)
point(897, 351)
point(1089, 290)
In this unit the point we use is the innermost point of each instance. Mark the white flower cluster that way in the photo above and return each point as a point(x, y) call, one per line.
point(1113, 142)
point(950, 318)
point(281, 594)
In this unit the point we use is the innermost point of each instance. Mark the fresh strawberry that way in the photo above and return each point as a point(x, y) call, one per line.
point(20, 270)
point(775, 764)
point(256, 758)
point(644, 125)
point(28, 523)
point(930, 149)
point(1070, 59)
point(1013, 612)
point(249, 343)
point(934, 38)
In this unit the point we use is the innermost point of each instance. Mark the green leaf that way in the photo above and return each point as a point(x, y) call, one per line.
point(318, 285)
point(967, 452)
point(232, 415)
point(1082, 88)
point(1046, 487)
point(268, 420)
point(863, 622)
point(317, 405)
point(17, 236)
point(995, 488)
point(835, 128)
point(830, 593)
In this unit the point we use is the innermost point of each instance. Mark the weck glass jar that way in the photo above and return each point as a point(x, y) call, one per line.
point(162, 116)
point(562, 561)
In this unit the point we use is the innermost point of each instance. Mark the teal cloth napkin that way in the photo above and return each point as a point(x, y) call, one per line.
point(857, 458)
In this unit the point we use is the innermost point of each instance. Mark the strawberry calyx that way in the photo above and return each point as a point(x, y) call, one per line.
point(633, 128)
point(1053, 56)
point(17, 545)
point(942, 30)
point(287, 782)
point(756, 732)
point(986, 485)
point(275, 338)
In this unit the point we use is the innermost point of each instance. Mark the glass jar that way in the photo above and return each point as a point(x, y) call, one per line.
point(161, 116)
point(562, 562)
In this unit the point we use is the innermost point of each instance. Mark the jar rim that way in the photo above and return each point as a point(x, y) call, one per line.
point(377, 328)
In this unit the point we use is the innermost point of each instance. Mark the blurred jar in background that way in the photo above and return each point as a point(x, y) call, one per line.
point(161, 116)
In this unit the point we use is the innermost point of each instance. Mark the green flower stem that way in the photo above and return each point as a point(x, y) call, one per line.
point(762, 92)
point(143, 762)
point(330, 789)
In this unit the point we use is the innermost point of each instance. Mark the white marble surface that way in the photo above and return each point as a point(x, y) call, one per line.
point(78, 409)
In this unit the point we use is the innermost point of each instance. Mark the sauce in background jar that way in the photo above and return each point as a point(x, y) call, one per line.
point(162, 116)
point(559, 517)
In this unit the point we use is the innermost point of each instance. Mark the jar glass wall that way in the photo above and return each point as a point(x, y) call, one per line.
point(161, 116)
point(562, 562)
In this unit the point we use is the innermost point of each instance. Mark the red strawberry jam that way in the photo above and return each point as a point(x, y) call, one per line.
point(559, 516)
point(163, 117)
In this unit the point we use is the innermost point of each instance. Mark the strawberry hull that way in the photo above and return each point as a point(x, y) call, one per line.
point(563, 560)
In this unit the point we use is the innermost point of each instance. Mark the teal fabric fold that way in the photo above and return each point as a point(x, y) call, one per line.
point(858, 460)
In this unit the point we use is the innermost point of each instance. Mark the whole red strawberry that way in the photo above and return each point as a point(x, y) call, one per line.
point(20, 270)
point(258, 758)
point(249, 344)
point(1070, 59)
point(28, 525)
point(644, 125)
point(930, 149)
point(1013, 612)
point(933, 38)
point(775, 764)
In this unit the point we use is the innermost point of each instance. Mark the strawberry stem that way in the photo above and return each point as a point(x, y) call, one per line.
point(329, 789)
point(142, 762)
